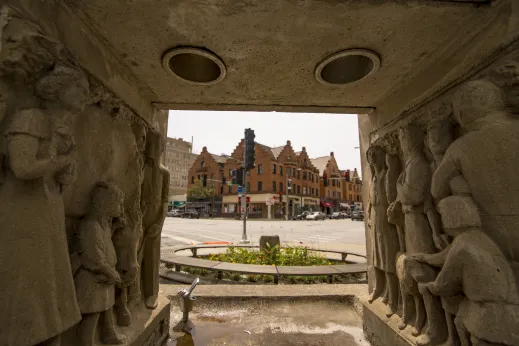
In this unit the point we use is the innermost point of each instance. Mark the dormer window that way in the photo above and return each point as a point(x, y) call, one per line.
point(202, 164)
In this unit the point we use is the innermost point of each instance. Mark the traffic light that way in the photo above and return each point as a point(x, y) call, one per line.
point(204, 180)
point(239, 176)
point(289, 185)
point(280, 197)
point(347, 175)
point(249, 149)
point(325, 179)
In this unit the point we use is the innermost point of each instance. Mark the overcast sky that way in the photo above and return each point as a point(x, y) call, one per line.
point(220, 132)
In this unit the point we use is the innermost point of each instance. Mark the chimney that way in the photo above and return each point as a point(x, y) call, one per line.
point(331, 154)
point(204, 149)
point(288, 143)
point(304, 149)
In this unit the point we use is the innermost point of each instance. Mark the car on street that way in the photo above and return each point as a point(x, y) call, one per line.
point(302, 216)
point(357, 215)
point(191, 214)
point(338, 215)
point(316, 216)
point(175, 213)
point(345, 215)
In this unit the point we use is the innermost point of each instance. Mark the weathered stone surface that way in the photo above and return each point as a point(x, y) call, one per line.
point(271, 240)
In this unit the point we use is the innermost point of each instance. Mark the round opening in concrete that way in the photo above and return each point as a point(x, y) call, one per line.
point(347, 66)
point(194, 65)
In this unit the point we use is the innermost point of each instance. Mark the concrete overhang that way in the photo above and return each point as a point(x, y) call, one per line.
point(271, 48)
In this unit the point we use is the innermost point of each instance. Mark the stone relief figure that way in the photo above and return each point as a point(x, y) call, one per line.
point(155, 189)
point(40, 154)
point(395, 216)
point(384, 237)
point(440, 135)
point(96, 278)
point(127, 238)
point(486, 157)
point(476, 282)
point(412, 186)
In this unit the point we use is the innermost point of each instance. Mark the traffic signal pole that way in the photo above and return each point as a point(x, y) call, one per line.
point(248, 164)
point(244, 239)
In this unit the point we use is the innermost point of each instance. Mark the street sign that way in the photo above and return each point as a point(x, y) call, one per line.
point(240, 190)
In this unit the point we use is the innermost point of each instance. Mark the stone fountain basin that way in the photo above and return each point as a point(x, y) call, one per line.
point(257, 319)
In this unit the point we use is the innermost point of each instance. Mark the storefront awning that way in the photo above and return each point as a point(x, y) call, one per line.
point(345, 205)
point(178, 204)
point(327, 204)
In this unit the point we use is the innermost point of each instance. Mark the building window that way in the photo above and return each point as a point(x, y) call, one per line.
point(230, 188)
point(274, 168)
point(221, 190)
point(288, 171)
point(328, 193)
point(304, 190)
point(294, 172)
point(192, 179)
point(358, 198)
point(260, 186)
point(298, 174)
point(260, 169)
point(298, 189)
point(274, 186)
point(304, 175)
point(333, 182)
point(281, 186)
point(230, 172)
point(281, 170)
point(349, 187)
point(317, 192)
point(247, 190)
point(202, 163)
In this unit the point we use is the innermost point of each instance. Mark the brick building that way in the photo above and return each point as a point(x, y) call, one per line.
point(208, 167)
point(352, 190)
point(331, 194)
point(275, 167)
point(178, 159)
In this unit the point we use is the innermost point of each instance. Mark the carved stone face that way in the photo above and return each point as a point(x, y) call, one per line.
point(411, 138)
point(439, 137)
point(140, 137)
point(66, 85)
point(377, 158)
point(154, 145)
point(475, 100)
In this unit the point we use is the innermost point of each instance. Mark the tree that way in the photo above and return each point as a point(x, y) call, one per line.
point(199, 191)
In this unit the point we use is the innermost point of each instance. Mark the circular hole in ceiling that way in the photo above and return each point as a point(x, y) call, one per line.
point(194, 65)
point(347, 67)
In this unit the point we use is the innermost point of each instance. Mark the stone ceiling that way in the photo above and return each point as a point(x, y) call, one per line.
point(272, 47)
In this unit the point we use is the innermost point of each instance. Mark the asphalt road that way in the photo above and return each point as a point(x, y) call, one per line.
point(328, 234)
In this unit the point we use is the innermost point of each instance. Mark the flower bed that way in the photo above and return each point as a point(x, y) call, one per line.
point(286, 256)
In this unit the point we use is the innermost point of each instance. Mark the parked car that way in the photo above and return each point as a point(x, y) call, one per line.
point(345, 215)
point(337, 215)
point(316, 216)
point(191, 214)
point(302, 216)
point(357, 215)
point(175, 213)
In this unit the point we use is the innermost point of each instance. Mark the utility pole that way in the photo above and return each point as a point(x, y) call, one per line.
point(286, 201)
point(244, 239)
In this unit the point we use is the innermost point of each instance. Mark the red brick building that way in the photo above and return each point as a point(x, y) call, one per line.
point(331, 194)
point(275, 167)
point(211, 167)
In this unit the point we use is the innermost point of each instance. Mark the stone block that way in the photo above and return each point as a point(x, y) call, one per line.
point(272, 240)
point(380, 330)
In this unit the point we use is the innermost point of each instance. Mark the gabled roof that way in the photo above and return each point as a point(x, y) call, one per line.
point(219, 159)
point(276, 151)
point(320, 163)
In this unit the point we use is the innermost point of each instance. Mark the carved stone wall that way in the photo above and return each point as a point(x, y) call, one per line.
point(456, 214)
point(78, 262)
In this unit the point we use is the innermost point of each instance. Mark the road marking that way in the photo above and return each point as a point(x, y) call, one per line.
point(205, 230)
point(198, 235)
point(314, 240)
point(180, 239)
point(321, 237)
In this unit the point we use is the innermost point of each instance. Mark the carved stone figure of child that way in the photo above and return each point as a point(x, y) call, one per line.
point(96, 278)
